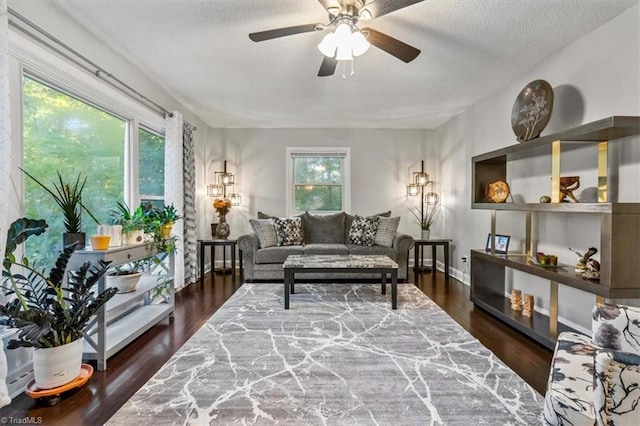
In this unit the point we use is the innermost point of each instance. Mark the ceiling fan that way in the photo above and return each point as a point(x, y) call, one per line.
point(348, 39)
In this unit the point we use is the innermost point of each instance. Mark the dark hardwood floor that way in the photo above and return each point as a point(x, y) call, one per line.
point(132, 367)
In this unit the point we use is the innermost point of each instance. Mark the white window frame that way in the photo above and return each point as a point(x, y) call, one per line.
point(293, 152)
point(30, 58)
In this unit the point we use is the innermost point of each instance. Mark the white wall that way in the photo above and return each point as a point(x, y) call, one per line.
point(595, 77)
point(381, 163)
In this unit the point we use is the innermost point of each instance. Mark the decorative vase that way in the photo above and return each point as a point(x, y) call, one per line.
point(70, 238)
point(425, 234)
point(59, 365)
point(223, 230)
point(165, 230)
point(213, 229)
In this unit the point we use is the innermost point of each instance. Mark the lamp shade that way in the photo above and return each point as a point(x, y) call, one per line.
point(359, 43)
point(413, 189)
point(328, 45)
point(431, 198)
point(421, 178)
point(214, 190)
point(236, 199)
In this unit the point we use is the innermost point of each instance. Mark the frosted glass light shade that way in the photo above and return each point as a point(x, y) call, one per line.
point(359, 43)
point(328, 45)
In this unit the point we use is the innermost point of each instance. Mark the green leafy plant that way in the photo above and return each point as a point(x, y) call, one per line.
point(427, 220)
point(130, 220)
point(69, 197)
point(166, 215)
point(47, 310)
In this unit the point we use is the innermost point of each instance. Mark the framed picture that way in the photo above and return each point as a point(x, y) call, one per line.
point(501, 243)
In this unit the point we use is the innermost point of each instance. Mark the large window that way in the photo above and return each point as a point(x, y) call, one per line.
point(318, 180)
point(63, 133)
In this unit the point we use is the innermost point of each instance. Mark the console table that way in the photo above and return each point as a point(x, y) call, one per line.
point(418, 248)
point(231, 243)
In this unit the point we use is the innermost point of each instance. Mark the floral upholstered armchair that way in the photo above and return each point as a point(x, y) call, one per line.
point(597, 380)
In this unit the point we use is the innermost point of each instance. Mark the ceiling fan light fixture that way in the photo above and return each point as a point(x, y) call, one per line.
point(328, 45)
point(343, 34)
point(344, 53)
point(365, 15)
point(359, 43)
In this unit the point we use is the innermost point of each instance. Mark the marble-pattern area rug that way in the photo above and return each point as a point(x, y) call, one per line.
point(339, 356)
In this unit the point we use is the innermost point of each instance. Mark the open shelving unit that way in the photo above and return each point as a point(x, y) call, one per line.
point(619, 228)
point(127, 315)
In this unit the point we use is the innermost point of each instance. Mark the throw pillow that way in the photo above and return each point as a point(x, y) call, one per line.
point(266, 232)
point(363, 230)
point(324, 229)
point(387, 228)
point(289, 231)
point(614, 397)
point(608, 323)
point(348, 220)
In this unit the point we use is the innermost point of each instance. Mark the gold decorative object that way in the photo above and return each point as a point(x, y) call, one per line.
point(568, 184)
point(498, 191)
point(516, 300)
point(527, 310)
point(545, 199)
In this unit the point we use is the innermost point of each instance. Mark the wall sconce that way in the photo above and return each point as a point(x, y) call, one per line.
point(223, 180)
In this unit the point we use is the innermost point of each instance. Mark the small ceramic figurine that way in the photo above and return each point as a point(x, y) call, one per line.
point(527, 311)
point(586, 267)
point(516, 300)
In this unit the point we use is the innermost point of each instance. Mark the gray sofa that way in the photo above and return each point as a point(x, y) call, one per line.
point(322, 235)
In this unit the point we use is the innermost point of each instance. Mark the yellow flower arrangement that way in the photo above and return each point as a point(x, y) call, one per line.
point(222, 206)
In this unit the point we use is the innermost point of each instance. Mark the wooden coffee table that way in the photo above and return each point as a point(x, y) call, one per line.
point(344, 263)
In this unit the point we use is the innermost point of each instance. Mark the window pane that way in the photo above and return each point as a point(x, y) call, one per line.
point(319, 198)
point(62, 133)
point(151, 166)
point(318, 170)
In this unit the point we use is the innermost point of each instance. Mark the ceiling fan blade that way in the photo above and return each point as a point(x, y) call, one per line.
point(392, 46)
point(328, 67)
point(378, 8)
point(282, 32)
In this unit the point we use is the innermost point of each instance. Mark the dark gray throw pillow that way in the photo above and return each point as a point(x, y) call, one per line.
point(325, 229)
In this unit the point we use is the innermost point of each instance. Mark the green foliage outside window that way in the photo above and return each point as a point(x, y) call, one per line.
point(318, 184)
point(63, 133)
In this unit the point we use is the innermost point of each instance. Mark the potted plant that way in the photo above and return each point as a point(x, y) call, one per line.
point(69, 197)
point(165, 219)
point(124, 277)
point(50, 312)
point(132, 222)
point(425, 219)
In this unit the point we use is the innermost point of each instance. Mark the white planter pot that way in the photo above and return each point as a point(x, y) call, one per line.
point(57, 366)
point(135, 237)
point(124, 283)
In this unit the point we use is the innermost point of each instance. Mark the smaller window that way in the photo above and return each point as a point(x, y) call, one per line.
point(318, 180)
point(151, 186)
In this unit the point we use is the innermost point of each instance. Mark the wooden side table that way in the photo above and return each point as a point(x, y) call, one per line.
point(418, 248)
point(231, 243)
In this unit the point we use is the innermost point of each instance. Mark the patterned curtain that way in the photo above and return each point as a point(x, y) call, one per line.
point(190, 238)
point(174, 187)
point(5, 161)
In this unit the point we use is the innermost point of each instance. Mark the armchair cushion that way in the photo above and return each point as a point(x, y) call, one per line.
point(616, 327)
point(617, 388)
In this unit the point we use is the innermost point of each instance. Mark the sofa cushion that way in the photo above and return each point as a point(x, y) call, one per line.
point(277, 254)
point(616, 394)
point(265, 230)
point(289, 231)
point(324, 229)
point(608, 324)
point(363, 230)
point(387, 228)
point(349, 220)
point(358, 249)
point(325, 248)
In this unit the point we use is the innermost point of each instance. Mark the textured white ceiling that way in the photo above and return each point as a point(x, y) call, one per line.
point(199, 50)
